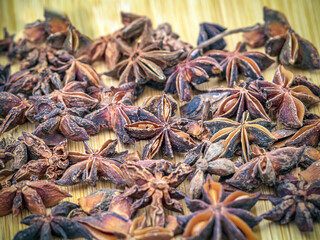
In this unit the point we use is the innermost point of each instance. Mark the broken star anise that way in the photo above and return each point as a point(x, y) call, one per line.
point(157, 188)
point(89, 166)
point(34, 195)
point(143, 61)
point(51, 163)
point(219, 216)
point(194, 70)
point(295, 200)
point(240, 134)
point(250, 64)
point(287, 103)
point(56, 223)
point(164, 131)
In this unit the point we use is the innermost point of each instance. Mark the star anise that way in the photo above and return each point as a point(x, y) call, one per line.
point(240, 134)
point(194, 70)
point(34, 195)
point(157, 188)
point(115, 112)
point(56, 223)
point(4, 76)
point(57, 118)
point(7, 42)
point(50, 164)
point(242, 98)
point(13, 111)
point(266, 167)
point(143, 61)
point(250, 64)
point(209, 30)
point(281, 97)
point(219, 216)
point(295, 200)
point(288, 46)
point(256, 38)
point(164, 131)
point(89, 166)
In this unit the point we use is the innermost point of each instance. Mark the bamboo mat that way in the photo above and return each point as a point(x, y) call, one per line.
point(95, 18)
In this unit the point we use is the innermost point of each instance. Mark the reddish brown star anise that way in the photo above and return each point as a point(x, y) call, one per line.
point(266, 167)
point(143, 61)
point(290, 48)
point(13, 111)
point(219, 216)
point(210, 30)
point(115, 112)
point(57, 118)
point(89, 166)
point(194, 70)
point(298, 201)
point(250, 64)
point(51, 163)
point(34, 195)
point(286, 102)
point(164, 131)
point(240, 134)
point(242, 98)
point(74, 69)
point(56, 224)
point(157, 188)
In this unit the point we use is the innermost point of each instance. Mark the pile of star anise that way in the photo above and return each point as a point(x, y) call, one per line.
point(235, 139)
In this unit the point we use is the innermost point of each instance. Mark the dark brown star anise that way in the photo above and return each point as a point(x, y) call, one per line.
point(288, 46)
point(89, 166)
point(194, 70)
point(210, 30)
point(7, 42)
point(298, 201)
point(219, 216)
point(164, 131)
point(240, 134)
point(34, 195)
point(287, 103)
point(242, 98)
point(4, 76)
point(13, 111)
point(143, 61)
point(115, 112)
point(250, 64)
point(265, 167)
point(51, 163)
point(157, 188)
point(56, 223)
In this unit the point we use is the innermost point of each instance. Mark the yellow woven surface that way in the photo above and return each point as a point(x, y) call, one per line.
point(95, 18)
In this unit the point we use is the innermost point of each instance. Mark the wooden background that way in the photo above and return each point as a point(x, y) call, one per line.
point(95, 18)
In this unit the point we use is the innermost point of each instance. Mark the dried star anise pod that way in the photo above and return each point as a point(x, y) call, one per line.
point(50, 165)
point(164, 131)
point(242, 98)
point(219, 216)
point(7, 42)
point(170, 41)
point(256, 38)
point(209, 30)
point(265, 167)
point(56, 223)
point(194, 70)
point(62, 35)
point(156, 188)
point(288, 46)
point(57, 118)
point(295, 200)
point(241, 134)
point(250, 64)
point(144, 61)
point(4, 76)
point(34, 195)
point(74, 69)
point(115, 112)
point(89, 166)
point(13, 111)
point(281, 97)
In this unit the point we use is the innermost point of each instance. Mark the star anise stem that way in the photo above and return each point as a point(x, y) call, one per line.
point(226, 33)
